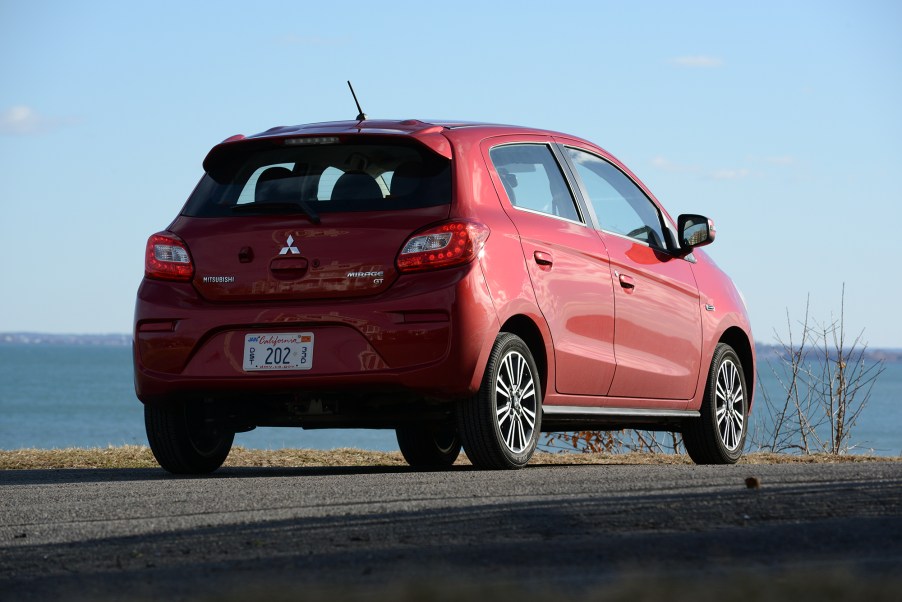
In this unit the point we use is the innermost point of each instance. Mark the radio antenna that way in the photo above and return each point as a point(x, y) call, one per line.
point(360, 114)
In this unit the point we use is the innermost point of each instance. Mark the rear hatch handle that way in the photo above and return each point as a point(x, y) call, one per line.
point(289, 268)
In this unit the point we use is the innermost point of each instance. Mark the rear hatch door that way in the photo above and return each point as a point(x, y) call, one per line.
point(273, 220)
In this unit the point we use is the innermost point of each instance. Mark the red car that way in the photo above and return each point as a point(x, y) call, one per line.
point(461, 283)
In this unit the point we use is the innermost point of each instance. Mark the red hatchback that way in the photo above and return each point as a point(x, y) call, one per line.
point(463, 284)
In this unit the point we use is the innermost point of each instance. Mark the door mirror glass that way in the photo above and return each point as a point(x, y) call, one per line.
point(695, 231)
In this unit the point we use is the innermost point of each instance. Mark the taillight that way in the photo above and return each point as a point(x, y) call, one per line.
point(445, 245)
point(167, 258)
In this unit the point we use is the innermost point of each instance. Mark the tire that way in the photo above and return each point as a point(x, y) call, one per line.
point(182, 442)
point(430, 446)
point(500, 425)
point(718, 435)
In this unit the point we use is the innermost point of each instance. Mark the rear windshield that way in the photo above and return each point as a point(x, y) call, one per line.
point(327, 178)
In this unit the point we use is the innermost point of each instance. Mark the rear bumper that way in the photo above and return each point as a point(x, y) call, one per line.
point(423, 337)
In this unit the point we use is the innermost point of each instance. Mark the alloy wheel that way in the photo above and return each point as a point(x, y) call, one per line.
point(515, 394)
point(729, 405)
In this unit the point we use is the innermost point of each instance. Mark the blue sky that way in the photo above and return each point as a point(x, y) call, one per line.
point(780, 120)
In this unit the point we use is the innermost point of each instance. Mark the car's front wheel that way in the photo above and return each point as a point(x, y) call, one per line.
point(718, 435)
point(183, 441)
point(431, 446)
point(501, 424)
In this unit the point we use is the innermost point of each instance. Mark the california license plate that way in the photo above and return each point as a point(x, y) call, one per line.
point(278, 351)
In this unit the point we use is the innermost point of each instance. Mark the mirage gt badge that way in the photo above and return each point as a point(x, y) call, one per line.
point(288, 249)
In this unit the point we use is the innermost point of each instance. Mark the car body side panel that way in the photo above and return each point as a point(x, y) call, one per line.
point(658, 335)
point(509, 291)
point(573, 292)
point(658, 331)
point(576, 299)
point(723, 311)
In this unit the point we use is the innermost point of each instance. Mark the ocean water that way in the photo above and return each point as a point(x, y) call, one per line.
point(57, 396)
point(878, 429)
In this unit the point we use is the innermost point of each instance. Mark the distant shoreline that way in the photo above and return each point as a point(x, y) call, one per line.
point(41, 338)
point(765, 351)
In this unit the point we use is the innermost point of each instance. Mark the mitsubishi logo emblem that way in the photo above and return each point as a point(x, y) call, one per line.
point(288, 249)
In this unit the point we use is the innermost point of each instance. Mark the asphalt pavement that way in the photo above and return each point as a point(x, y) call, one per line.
point(115, 534)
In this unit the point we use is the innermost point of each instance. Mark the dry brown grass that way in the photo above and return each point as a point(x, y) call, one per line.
point(139, 456)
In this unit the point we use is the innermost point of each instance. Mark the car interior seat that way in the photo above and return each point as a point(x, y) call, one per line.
point(356, 185)
point(406, 179)
point(276, 184)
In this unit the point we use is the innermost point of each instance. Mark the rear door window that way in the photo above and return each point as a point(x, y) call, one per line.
point(533, 180)
point(329, 178)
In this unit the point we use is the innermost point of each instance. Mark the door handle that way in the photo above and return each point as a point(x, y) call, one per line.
point(627, 282)
point(543, 258)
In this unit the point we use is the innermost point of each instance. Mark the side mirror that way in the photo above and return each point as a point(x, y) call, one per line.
point(695, 231)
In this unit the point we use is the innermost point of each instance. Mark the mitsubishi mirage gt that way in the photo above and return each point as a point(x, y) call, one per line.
point(467, 285)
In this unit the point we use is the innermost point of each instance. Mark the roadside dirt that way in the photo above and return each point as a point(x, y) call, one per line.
point(139, 456)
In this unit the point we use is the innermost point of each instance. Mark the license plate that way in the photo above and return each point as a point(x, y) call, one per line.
point(278, 351)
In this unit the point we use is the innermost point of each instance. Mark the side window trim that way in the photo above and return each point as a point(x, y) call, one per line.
point(551, 215)
point(583, 207)
point(576, 186)
point(585, 198)
point(563, 166)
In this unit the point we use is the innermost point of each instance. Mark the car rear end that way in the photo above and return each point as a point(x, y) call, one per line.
point(315, 278)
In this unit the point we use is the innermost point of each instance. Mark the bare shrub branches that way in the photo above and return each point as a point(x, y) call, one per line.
point(826, 384)
point(624, 441)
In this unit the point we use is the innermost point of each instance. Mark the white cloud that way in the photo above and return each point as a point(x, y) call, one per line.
point(784, 161)
point(22, 120)
point(729, 174)
point(697, 62)
point(665, 164)
point(773, 160)
point(19, 120)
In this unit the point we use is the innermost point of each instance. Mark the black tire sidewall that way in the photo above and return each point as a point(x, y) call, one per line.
point(175, 445)
point(420, 446)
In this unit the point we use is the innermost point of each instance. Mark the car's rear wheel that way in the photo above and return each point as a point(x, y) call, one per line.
point(500, 425)
point(183, 441)
point(718, 435)
point(434, 446)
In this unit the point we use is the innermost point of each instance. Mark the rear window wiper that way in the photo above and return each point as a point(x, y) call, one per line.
point(279, 207)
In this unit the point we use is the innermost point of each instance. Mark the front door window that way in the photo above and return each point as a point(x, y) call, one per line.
point(619, 205)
